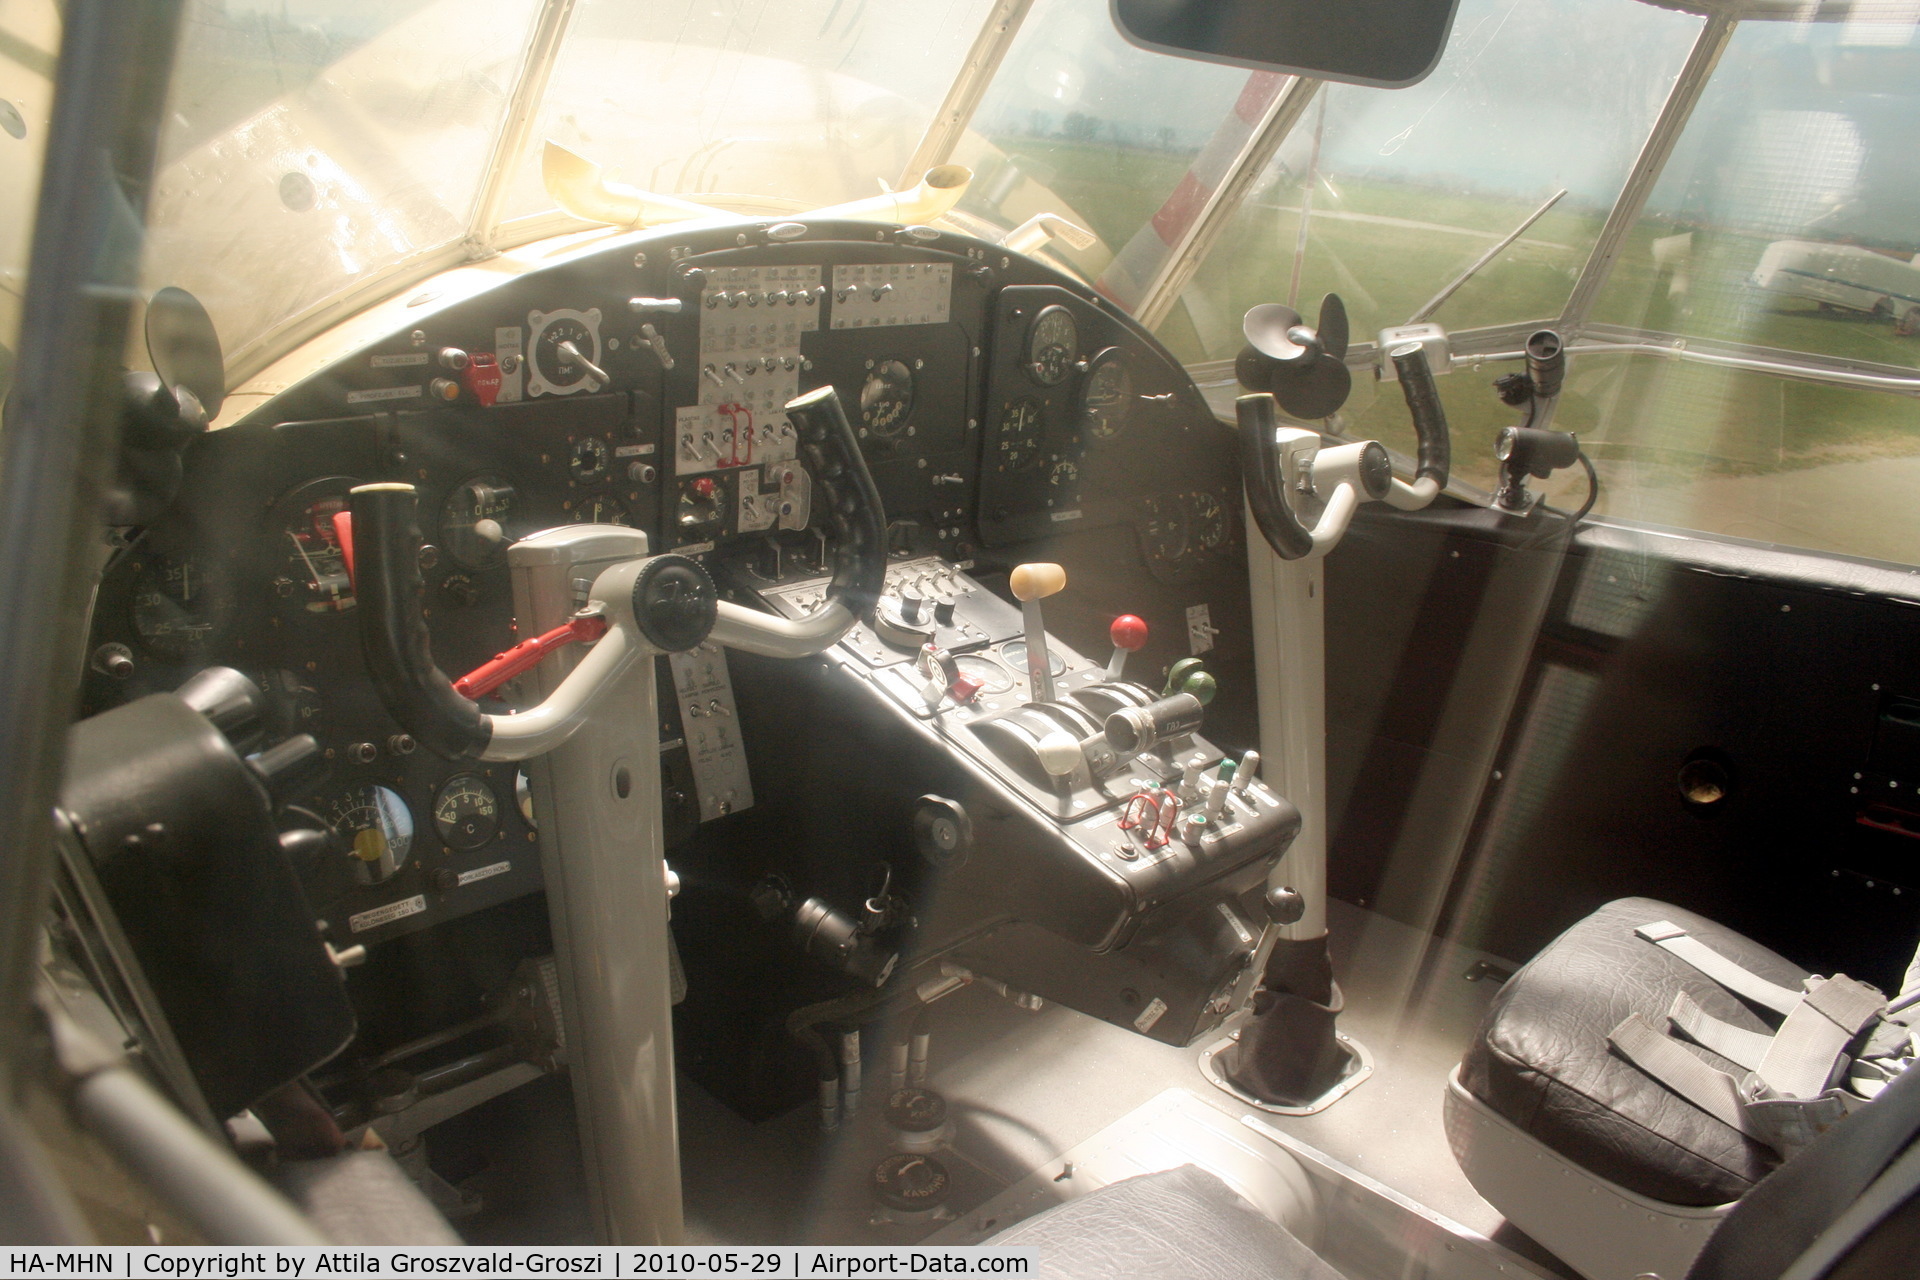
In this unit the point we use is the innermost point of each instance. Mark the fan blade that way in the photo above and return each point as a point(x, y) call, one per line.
point(1315, 392)
point(1333, 326)
point(184, 347)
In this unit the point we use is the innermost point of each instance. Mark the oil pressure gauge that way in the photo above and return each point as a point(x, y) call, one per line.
point(466, 812)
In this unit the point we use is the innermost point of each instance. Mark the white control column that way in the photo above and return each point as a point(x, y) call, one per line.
point(596, 799)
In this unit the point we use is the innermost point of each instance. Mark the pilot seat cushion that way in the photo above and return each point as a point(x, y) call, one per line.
point(1541, 1058)
point(1184, 1222)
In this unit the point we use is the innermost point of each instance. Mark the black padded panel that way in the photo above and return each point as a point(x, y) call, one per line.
point(1541, 1057)
point(1184, 1222)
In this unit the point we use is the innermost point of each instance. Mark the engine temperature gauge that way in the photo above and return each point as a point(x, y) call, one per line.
point(378, 827)
point(466, 813)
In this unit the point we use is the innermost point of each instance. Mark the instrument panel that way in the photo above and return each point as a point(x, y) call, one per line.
point(998, 403)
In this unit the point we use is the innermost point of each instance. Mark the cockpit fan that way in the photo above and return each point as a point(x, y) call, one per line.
point(1304, 368)
point(185, 348)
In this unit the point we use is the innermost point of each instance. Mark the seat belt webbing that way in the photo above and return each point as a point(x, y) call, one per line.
point(1670, 937)
point(1736, 1044)
point(1802, 1055)
point(1666, 1060)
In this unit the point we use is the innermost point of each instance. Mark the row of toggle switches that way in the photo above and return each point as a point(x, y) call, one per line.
point(772, 297)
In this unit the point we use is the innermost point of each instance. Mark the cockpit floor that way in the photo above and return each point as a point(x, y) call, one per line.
point(1023, 1088)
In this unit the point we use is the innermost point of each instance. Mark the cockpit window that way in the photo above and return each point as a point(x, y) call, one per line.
point(309, 147)
point(29, 36)
point(801, 102)
point(1384, 196)
point(1082, 124)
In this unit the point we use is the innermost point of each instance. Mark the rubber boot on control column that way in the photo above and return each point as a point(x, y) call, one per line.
point(1287, 1054)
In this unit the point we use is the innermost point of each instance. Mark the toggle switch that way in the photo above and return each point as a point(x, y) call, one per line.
point(1129, 635)
point(1031, 584)
point(1242, 776)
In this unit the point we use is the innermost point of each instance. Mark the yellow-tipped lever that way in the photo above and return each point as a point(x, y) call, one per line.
point(1031, 584)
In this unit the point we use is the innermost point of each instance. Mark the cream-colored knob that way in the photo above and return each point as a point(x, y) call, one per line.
point(1059, 753)
point(1037, 581)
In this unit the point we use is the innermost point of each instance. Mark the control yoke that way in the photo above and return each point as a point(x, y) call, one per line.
point(1284, 465)
point(635, 608)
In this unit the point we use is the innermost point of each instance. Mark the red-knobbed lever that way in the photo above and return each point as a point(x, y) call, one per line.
point(1128, 633)
point(526, 655)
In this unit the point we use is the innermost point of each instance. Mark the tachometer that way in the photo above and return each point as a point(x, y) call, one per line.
point(1020, 434)
point(886, 398)
point(178, 608)
point(473, 523)
point(1107, 395)
point(1052, 344)
point(378, 827)
point(466, 813)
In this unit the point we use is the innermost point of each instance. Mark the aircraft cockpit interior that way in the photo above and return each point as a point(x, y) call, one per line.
point(1077, 638)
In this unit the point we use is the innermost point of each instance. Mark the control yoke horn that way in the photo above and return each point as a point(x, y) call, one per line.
point(636, 608)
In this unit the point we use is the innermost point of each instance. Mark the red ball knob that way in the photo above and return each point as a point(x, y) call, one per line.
point(1128, 632)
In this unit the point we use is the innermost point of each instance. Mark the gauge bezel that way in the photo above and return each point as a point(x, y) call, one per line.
point(878, 375)
point(465, 843)
point(456, 542)
point(216, 607)
point(1032, 353)
point(1084, 412)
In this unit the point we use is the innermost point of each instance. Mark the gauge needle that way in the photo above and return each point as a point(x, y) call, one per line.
point(301, 548)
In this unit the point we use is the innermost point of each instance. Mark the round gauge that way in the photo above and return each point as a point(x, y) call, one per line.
point(551, 363)
point(177, 608)
point(1015, 653)
point(599, 508)
point(1051, 345)
point(313, 576)
point(1165, 529)
point(473, 523)
point(1107, 395)
point(886, 398)
point(378, 827)
point(1207, 520)
point(1064, 478)
point(993, 677)
point(588, 460)
point(523, 796)
point(293, 705)
point(1020, 434)
point(466, 813)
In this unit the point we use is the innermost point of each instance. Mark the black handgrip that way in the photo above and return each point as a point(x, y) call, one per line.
point(852, 503)
point(1260, 467)
point(1429, 415)
point(393, 631)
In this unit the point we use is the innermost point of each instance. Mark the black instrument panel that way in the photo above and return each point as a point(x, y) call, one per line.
point(998, 402)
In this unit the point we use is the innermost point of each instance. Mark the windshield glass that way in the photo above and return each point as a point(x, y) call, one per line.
point(1385, 196)
point(1080, 123)
point(310, 145)
point(809, 102)
point(29, 34)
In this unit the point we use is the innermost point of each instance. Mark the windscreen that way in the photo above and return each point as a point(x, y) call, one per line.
point(29, 41)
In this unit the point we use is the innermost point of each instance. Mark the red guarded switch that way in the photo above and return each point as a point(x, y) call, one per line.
point(482, 376)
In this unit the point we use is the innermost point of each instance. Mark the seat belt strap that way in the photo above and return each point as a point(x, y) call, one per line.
point(1671, 938)
point(1679, 1069)
point(1811, 1042)
point(1736, 1044)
